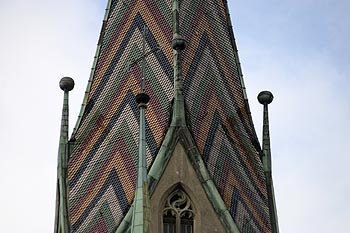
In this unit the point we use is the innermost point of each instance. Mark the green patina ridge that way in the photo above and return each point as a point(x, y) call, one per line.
point(178, 132)
point(62, 220)
point(209, 116)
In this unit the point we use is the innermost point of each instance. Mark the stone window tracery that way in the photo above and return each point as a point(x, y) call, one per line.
point(178, 213)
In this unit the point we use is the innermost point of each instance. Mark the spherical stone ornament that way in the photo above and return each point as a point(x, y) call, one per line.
point(265, 97)
point(67, 84)
point(178, 42)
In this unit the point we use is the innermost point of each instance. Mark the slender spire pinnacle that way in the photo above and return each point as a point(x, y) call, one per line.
point(62, 220)
point(141, 216)
point(178, 44)
point(265, 98)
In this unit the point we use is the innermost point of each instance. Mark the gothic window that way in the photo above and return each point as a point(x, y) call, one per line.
point(178, 213)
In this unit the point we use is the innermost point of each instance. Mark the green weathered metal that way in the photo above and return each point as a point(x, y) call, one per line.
point(265, 98)
point(141, 215)
point(207, 183)
point(182, 135)
point(62, 224)
point(178, 44)
point(125, 224)
point(179, 133)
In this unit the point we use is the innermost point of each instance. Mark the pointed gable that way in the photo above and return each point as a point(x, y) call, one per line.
point(180, 174)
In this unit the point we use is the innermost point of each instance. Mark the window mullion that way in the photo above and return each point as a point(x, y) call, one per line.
point(178, 224)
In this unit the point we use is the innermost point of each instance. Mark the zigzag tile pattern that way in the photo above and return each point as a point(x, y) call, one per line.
point(102, 165)
point(218, 113)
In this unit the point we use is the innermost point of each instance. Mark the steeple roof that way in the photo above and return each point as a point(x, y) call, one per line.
point(102, 163)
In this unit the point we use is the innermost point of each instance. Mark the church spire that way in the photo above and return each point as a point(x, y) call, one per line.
point(198, 113)
point(178, 43)
point(265, 98)
point(62, 221)
point(141, 216)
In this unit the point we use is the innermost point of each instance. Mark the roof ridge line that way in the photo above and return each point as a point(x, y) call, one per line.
point(93, 68)
point(239, 67)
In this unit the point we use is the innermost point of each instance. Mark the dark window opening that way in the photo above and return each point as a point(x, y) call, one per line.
point(178, 213)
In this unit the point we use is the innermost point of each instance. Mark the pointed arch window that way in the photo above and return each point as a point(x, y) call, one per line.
point(178, 213)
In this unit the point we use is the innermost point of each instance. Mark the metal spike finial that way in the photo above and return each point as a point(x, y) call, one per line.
point(62, 220)
point(141, 214)
point(265, 98)
point(178, 44)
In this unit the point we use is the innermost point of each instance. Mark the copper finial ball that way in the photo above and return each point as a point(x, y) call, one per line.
point(265, 97)
point(67, 84)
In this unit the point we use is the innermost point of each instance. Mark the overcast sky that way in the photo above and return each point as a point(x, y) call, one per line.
point(298, 49)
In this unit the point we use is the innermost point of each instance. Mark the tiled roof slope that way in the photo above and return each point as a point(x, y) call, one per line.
point(102, 164)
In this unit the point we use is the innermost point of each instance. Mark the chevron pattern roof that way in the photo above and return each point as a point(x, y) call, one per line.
point(102, 164)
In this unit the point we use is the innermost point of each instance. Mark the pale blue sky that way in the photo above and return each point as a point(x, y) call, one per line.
point(297, 49)
point(300, 51)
